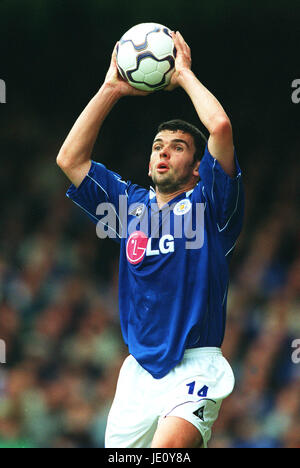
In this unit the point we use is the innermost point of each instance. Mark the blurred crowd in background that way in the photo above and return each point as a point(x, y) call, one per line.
point(59, 282)
point(59, 318)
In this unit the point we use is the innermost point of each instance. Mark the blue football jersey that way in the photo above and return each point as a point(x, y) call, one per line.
point(173, 271)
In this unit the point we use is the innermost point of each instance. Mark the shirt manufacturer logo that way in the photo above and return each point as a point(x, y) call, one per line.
point(199, 413)
point(137, 211)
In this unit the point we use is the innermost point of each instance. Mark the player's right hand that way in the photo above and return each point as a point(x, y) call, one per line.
point(115, 81)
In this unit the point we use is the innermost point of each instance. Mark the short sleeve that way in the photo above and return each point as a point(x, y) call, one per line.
point(225, 195)
point(102, 191)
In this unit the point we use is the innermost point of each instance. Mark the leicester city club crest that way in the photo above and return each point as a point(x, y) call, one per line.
point(182, 207)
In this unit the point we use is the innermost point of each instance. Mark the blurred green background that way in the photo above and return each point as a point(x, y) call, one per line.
point(58, 282)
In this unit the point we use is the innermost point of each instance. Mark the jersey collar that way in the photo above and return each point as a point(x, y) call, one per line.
point(152, 196)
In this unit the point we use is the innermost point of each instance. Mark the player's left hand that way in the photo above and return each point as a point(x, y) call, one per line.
point(183, 60)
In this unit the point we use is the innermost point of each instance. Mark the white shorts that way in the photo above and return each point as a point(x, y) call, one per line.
point(193, 390)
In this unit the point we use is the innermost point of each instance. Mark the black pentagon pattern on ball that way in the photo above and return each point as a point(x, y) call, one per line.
point(144, 55)
point(119, 68)
point(122, 72)
point(142, 46)
point(166, 31)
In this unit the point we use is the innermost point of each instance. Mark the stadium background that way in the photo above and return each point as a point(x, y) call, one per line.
point(58, 281)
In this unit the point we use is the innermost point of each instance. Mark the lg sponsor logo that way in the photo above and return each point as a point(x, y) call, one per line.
point(138, 246)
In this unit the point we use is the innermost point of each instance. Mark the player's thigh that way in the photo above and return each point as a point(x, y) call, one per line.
point(132, 419)
point(174, 432)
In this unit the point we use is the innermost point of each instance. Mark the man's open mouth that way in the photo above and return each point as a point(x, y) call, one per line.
point(162, 167)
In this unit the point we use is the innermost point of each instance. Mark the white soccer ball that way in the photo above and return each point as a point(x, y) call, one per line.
point(146, 56)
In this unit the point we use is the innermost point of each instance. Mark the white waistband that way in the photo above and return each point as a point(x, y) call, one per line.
point(199, 351)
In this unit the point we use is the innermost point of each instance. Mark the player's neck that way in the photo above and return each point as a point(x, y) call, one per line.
point(162, 197)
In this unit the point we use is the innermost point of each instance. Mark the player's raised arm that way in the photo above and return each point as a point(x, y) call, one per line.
point(74, 157)
point(208, 108)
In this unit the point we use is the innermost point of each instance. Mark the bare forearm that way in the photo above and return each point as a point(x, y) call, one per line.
point(214, 118)
point(78, 146)
point(208, 108)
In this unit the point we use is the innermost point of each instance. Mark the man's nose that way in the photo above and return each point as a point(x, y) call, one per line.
point(164, 153)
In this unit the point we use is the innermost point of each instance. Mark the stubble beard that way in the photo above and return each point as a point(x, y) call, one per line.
point(165, 183)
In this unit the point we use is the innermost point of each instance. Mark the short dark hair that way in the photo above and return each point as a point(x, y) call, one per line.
point(200, 139)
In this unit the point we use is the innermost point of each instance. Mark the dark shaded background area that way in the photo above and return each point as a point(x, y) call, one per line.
point(58, 281)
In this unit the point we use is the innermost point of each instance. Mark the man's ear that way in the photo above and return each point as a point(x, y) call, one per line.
point(149, 171)
point(196, 169)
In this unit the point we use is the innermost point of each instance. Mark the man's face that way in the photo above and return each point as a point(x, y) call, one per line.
point(172, 164)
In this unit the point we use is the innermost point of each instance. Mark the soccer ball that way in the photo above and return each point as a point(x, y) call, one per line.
point(146, 56)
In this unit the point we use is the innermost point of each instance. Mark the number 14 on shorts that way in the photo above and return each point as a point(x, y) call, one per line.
point(201, 393)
